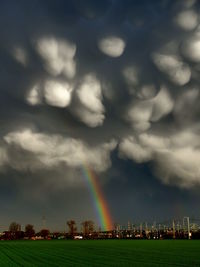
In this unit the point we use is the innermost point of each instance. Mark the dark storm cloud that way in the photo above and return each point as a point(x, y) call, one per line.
point(80, 80)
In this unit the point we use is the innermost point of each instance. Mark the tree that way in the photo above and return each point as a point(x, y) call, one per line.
point(44, 233)
point(91, 226)
point(88, 227)
point(15, 230)
point(14, 227)
point(29, 230)
point(72, 227)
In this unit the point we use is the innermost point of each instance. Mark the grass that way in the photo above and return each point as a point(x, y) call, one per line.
point(120, 253)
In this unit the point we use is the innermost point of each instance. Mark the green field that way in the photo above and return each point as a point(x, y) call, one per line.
point(100, 253)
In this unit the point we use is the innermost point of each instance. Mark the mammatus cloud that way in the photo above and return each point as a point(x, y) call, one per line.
point(187, 20)
point(130, 74)
point(162, 105)
point(58, 56)
point(89, 108)
point(52, 92)
point(112, 46)
point(57, 94)
point(142, 112)
point(33, 96)
point(134, 76)
point(191, 48)
point(178, 72)
point(147, 91)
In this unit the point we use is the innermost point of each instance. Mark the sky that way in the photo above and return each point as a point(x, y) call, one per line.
point(113, 85)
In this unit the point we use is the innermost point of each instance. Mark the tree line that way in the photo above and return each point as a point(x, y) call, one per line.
point(15, 231)
point(87, 228)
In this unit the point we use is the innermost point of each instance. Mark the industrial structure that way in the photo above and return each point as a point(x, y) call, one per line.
point(184, 228)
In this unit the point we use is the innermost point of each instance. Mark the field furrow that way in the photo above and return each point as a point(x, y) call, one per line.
point(97, 253)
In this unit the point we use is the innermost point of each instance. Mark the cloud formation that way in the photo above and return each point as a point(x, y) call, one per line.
point(178, 72)
point(112, 46)
point(191, 48)
point(80, 76)
point(142, 112)
point(89, 109)
point(57, 94)
point(175, 156)
point(58, 56)
point(33, 96)
point(48, 151)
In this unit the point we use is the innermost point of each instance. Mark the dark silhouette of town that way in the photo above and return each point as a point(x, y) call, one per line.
point(172, 229)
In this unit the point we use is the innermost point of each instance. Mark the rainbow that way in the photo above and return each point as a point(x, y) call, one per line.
point(99, 200)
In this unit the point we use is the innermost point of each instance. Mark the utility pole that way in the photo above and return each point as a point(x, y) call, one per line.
point(183, 226)
point(129, 226)
point(174, 230)
point(146, 228)
point(44, 222)
point(178, 227)
point(188, 226)
point(141, 230)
